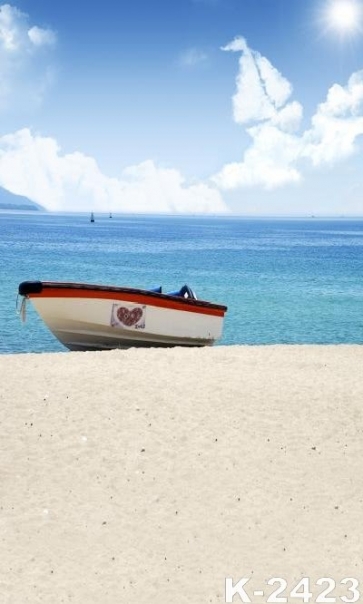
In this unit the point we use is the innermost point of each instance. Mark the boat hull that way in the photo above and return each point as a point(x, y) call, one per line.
point(98, 318)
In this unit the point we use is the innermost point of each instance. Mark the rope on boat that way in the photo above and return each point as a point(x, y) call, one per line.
point(22, 310)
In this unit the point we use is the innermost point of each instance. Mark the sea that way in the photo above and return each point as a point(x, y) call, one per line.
point(284, 280)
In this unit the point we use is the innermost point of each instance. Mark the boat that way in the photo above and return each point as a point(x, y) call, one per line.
point(85, 316)
point(92, 219)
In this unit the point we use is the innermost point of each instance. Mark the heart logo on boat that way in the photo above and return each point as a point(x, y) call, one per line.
point(129, 317)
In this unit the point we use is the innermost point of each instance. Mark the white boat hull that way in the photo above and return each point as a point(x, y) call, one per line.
point(87, 319)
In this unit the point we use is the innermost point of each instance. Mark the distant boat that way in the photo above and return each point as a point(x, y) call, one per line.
point(110, 214)
point(99, 317)
point(92, 217)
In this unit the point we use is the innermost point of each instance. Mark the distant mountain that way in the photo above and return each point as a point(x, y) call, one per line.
point(9, 201)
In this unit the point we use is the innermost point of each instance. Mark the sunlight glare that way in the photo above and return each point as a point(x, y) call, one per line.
point(344, 16)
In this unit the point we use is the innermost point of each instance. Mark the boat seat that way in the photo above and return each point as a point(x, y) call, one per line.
point(184, 292)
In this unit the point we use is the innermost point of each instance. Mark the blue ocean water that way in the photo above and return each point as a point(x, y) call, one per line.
point(283, 280)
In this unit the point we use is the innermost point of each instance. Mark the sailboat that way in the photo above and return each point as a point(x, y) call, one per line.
point(92, 219)
point(110, 215)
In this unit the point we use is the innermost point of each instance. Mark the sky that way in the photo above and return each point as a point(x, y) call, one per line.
point(249, 107)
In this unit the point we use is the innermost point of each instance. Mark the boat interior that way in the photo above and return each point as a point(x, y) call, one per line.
point(183, 292)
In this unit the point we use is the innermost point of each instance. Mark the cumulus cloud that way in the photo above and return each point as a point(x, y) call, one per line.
point(41, 37)
point(274, 156)
point(34, 166)
point(11, 28)
point(261, 97)
point(24, 75)
point(336, 124)
point(268, 162)
point(261, 89)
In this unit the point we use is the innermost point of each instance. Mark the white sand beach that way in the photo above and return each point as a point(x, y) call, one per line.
point(149, 476)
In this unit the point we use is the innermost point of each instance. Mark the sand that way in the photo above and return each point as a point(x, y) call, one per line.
point(149, 476)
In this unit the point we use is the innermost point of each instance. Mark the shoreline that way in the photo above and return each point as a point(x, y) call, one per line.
point(149, 476)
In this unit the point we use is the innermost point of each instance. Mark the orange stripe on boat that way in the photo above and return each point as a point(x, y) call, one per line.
point(126, 297)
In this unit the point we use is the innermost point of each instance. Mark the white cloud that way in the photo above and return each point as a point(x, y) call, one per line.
point(267, 162)
point(23, 76)
point(289, 118)
point(278, 89)
point(35, 167)
point(15, 34)
point(11, 25)
point(41, 37)
point(336, 124)
point(239, 44)
point(261, 89)
point(192, 57)
point(274, 156)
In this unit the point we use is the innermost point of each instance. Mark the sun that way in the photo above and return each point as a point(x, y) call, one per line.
point(344, 17)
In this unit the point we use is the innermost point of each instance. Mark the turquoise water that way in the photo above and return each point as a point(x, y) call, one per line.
point(284, 281)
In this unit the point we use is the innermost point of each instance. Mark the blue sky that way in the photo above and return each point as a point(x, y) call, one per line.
point(250, 107)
